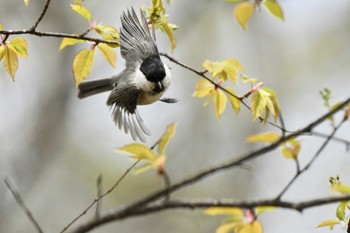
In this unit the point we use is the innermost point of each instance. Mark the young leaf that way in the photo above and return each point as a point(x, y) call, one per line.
point(69, 41)
point(203, 88)
point(291, 149)
point(329, 223)
point(170, 34)
point(258, 104)
point(139, 151)
point(2, 51)
point(254, 227)
point(20, 46)
point(164, 140)
point(235, 0)
point(232, 68)
point(341, 188)
point(274, 8)
point(107, 53)
point(26, 2)
point(243, 12)
point(219, 103)
point(342, 207)
point(260, 209)
point(224, 211)
point(235, 103)
point(82, 64)
point(10, 60)
point(229, 68)
point(84, 12)
point(268, 137)
point(226, 228)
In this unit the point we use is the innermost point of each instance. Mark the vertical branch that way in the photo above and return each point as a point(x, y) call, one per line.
point(23, 206)
point(41, 16)
point(99, 193)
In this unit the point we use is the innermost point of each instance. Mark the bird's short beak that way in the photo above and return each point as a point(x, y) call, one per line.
point(159, 86)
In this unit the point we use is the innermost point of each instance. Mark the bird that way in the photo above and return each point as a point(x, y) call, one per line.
point(143, 81)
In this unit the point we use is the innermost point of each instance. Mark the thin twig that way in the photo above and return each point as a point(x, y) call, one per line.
point(133, 208)
point(41, 16)
point(308, 165)
point(21, 204)
point(57, 35)
point(202, 74)
point(108, 191)
point(200, 204)
point(100, 197)
point(99, 193)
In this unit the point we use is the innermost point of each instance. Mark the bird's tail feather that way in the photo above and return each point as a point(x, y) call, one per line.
point(89, 88)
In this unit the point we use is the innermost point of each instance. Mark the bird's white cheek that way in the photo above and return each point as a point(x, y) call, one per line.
point(166, 80)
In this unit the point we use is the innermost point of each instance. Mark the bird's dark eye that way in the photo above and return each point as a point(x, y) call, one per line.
point(153, 69)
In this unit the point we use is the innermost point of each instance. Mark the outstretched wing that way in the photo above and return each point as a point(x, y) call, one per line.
point(136, 42)
point(123, 101)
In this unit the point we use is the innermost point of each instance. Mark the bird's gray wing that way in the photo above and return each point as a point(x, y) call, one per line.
point(123, 102)
point(136, 41)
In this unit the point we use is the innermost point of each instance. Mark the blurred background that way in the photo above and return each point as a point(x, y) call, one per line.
point(53, 146)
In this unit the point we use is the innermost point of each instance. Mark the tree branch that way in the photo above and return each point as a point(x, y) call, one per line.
point(23, 206)
point(191, 204)
point(41, 16)
point(138, 205)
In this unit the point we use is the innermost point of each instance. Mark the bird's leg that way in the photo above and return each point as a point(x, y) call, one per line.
point(169, 100)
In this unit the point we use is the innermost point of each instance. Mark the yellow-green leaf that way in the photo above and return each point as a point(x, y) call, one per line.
point(243, 12)
point(203, 88)
point(272, 102)
point(69, 41)
point(341, 209)
point(329, 223)
point(254, 227)
point(139, 151)
point(2, 51)
point(26, 2)
point(1, 27)
point(341, 188)
point(224, 211)
point(226, 228)
point(170, 34)
point(235, 102)
point(258, 104)
point(268, 137)
point(219, 103)
point(232, 68)
point(214, 68)
point(291, 149)
point(20, 46)
point(107, 53)
point(260, 209)
point(143, 168)
point(164, 140)
point(84, 12)
point(82, 64)
point(274, 8)
point(10, 60)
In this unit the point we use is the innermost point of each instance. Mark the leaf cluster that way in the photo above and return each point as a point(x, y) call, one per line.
point(245, 9)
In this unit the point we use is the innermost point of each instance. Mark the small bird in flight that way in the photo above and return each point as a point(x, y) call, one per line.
point(143, 81)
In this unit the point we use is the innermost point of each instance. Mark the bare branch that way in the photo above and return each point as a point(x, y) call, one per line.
point(21, 204)
point(99, 193)
point(190, 204)
point(57, 35)
point(133, 208)
point(41, 16)
point(100, 197)
point(307, 166)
